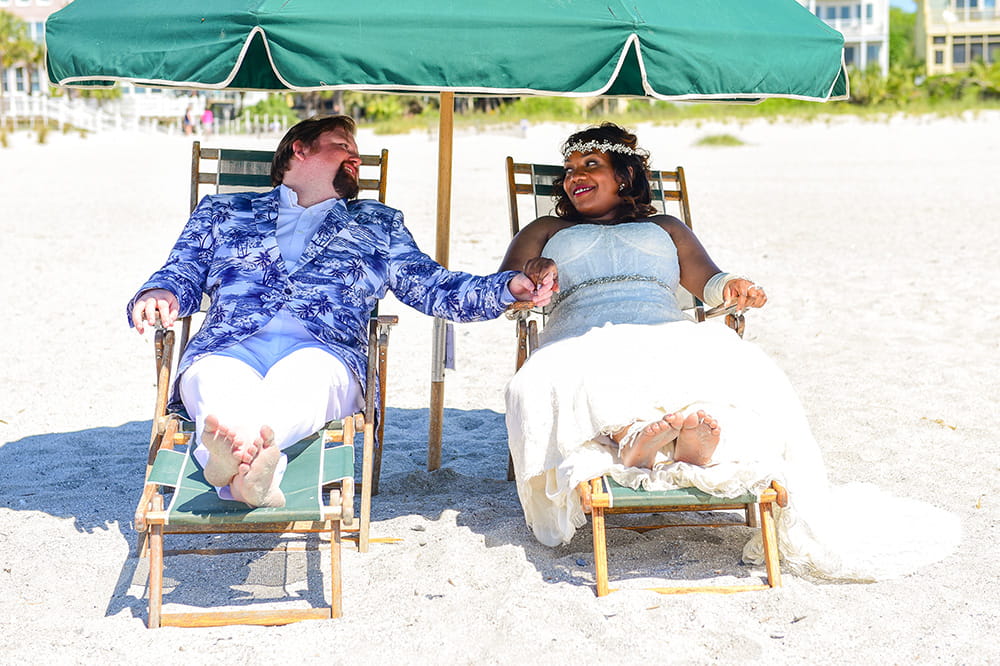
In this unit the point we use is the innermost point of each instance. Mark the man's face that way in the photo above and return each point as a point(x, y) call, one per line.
point(334, 155)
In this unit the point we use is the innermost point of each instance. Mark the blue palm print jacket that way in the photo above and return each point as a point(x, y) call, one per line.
point(229, 251)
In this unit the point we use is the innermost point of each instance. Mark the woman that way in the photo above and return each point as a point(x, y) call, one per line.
point(624, 383)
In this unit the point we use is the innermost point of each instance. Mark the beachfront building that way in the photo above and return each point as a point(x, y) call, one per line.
point(865, 26)
point(28, 78)
point(952, 34)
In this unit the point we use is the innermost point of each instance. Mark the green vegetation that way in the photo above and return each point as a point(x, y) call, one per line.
point(278, 107)
point(720, 140)
point(904, 90)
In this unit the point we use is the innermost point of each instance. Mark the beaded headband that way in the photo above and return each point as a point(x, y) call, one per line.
point(603, 146)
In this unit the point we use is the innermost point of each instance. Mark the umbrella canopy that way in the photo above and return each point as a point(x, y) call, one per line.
point(665, 49)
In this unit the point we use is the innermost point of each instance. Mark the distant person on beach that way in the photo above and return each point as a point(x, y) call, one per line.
point(207, 122)
point(187, 121)
point(623, 382)
point(293, 275)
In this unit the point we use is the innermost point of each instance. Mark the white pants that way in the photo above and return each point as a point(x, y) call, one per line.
point(296, 397)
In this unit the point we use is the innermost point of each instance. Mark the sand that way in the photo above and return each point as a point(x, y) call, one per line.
point(873, 239)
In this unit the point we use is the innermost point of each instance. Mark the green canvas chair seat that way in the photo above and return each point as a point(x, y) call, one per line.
point(621, 497)
point(311, 467)
point(603, 495)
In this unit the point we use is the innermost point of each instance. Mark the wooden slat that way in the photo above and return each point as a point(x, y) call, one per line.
point(665, 508)
point(709, 589)
point(292, 527)
point(261, 617)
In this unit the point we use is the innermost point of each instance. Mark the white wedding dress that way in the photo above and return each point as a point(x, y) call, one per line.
point(616, 348)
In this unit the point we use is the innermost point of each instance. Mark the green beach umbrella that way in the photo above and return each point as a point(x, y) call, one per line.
point(684, 50)
point(666, 49)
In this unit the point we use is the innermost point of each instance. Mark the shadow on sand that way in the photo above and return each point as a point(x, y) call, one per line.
point(94, 478)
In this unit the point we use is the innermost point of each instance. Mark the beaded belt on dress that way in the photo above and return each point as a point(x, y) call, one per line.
point(561, 296)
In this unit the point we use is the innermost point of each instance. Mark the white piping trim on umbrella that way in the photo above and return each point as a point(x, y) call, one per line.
point(633, 38)
point(847, 81)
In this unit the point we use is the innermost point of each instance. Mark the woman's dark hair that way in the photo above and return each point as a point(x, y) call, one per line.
point(632, 170)
point(307, 132)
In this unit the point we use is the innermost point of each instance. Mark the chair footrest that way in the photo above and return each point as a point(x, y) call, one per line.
point(261, 617)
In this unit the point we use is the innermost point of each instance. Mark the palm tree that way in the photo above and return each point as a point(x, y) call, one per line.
point(15, 46)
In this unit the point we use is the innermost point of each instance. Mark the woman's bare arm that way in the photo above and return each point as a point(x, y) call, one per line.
point(697, 267)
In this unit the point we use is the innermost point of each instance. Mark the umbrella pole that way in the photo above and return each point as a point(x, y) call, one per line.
point(445, 135)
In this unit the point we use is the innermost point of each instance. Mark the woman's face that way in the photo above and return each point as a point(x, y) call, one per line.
point(592, 185)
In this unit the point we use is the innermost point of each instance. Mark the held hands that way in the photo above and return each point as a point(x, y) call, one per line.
point(153, 302)
point(538, 282)
point(744, 294)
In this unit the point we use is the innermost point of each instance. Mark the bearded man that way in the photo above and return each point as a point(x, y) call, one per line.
point(293, 275)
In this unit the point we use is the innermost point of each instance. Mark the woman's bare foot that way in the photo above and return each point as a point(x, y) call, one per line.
point(224, 456)
point(254, 482)
point(642, 450)
point(698, 438)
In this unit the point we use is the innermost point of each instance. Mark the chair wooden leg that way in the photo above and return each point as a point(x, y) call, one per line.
point(377, 465)
point(600, 551)
point(155, 576)
point(336, 608)
point(510, 468)
point(367, 462)
point(770, 538)
point(383, 372)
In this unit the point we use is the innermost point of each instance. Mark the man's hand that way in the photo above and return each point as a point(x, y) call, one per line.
point(153, 302)
point(537, 283)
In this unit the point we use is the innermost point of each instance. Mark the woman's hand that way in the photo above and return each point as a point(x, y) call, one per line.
point(153, 302)
point(537, 283)
point(744, 293)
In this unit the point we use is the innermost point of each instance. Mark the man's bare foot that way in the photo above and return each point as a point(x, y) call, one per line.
point(254, 482)
point(698, 438)
point(642, 450)
point(224, 457)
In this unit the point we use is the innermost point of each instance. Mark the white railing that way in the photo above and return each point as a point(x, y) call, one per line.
point(73, 113)
point(125, 114)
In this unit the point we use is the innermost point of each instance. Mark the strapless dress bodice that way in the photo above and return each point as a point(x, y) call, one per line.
point(612, 274)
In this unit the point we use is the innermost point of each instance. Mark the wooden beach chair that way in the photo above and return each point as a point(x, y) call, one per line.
point(603, 496)
point(319, 482)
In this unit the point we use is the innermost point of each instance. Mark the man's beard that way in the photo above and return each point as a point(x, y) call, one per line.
point(345, 184)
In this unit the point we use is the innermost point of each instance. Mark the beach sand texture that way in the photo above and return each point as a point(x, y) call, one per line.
point(876, 242)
